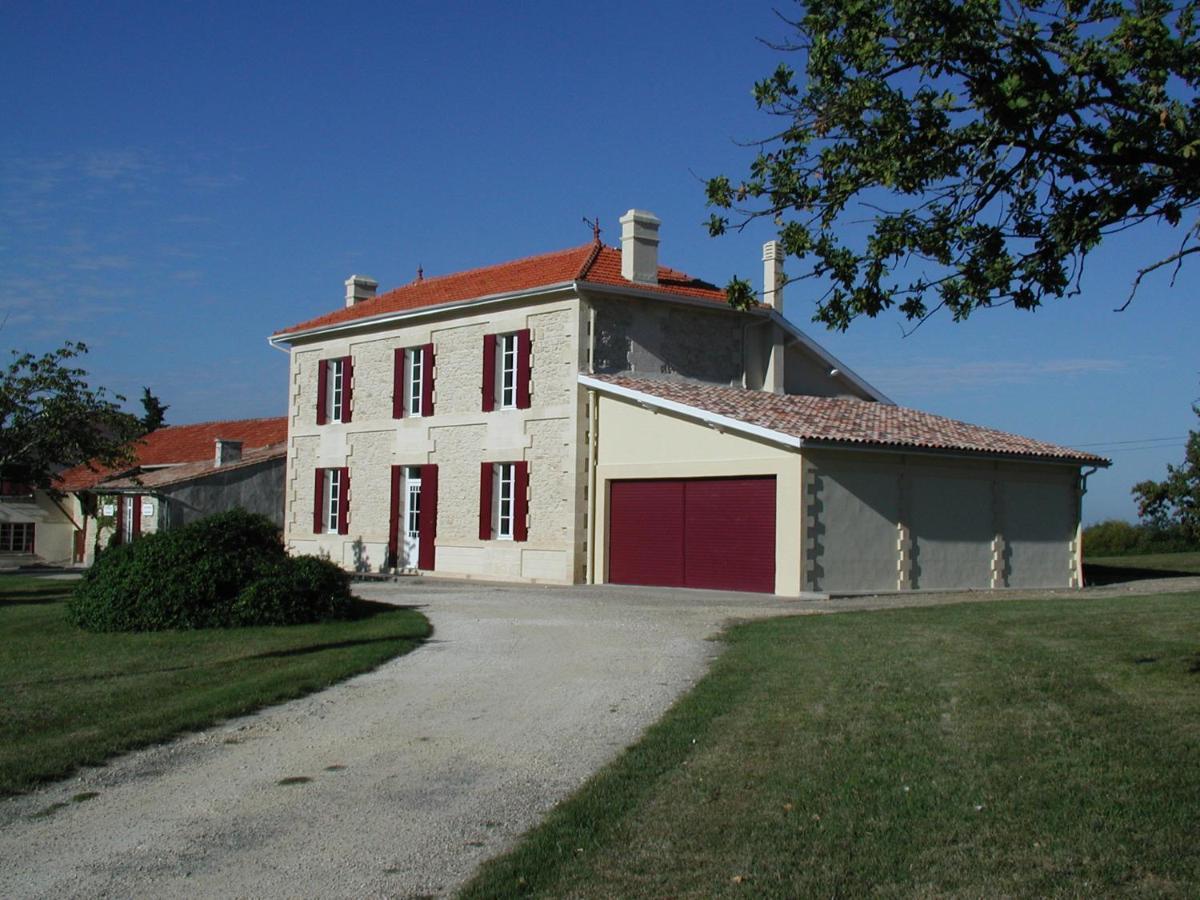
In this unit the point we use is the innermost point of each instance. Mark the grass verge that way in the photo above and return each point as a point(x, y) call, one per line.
point(1020, 748)
point(1161, 563)
point(69, 697)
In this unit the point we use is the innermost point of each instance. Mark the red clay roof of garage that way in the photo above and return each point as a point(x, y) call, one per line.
point(177, 444)
point(592, 263)
point(849, 421)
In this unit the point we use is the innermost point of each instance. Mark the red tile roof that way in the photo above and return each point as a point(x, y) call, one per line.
point(177, 444)
point(592, 263)
point(176, 474)
point(849, 421)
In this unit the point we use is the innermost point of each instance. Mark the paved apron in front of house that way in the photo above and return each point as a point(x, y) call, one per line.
point(420, 770)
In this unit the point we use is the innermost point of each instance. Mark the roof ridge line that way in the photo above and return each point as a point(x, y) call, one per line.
point(433, 279)
point(597, 246)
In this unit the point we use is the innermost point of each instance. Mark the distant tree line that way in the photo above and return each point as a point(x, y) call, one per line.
point(1116, 537)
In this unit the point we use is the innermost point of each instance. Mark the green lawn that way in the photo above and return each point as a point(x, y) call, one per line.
point(1184, 563)
point(1019, 748)
point(69, 697)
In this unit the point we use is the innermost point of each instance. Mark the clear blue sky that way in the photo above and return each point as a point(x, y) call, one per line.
point(178, 180)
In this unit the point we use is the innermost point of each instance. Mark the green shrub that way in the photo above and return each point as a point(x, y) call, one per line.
point(298, 590)
point(207, 575)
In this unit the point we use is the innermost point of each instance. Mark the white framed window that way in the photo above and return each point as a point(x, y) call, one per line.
point(336, 389)
point(506, 370)
point(412, 508)
point(16, 537)
point(127, 518)
point(414, 384)
point(332, 501)
point(502, 490)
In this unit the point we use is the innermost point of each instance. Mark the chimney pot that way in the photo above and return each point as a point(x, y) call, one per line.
point(639, 246)
point(360, 288)
point(227, 452)
point(773, 277)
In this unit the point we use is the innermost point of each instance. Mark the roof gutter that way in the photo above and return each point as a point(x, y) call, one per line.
point(290, 337)
point(725, 423)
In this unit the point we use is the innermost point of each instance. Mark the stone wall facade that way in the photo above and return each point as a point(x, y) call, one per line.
point(458, 437)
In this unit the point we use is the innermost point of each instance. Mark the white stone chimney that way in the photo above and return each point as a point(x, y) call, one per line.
point(359, 288)
point(773, 278)
point(639, 246)
point(227, 452)
point(772, 295)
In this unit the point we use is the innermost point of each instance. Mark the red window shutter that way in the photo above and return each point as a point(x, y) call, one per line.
point(344, 504)
point(426, 389)
point(524, 341)
point(426, 555)
point(489, 372)
point(136, 500)
point(520, 501)
point(319, 502)
point(485, 502)
point(322, 390)
point(398, 384)
point(347, 382)
point(393, 546)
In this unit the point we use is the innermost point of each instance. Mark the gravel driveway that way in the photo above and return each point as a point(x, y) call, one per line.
point(419, 770)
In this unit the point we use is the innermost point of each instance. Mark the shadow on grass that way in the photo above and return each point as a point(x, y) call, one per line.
point(1096, 575)
point(366, 609)
point(30, 597)
point(334, 645)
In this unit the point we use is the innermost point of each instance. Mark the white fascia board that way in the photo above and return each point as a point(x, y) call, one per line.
point(291, 337)
point(834, 363)
point(945, 453)
point(722, 423)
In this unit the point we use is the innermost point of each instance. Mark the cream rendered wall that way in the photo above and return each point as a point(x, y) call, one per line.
point(53, 532)
point(886, 522)
point(457, 438)
point(632, 442)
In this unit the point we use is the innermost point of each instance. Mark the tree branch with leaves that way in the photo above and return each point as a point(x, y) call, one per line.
point(51, 419)
point(991, 146)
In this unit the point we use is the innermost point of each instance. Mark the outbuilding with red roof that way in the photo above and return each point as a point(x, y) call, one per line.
point(178, 473)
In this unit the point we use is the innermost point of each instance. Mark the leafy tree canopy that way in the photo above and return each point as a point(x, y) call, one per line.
point(1176, 500)
point(50, 418)
point(990, 145)
point(155, 415)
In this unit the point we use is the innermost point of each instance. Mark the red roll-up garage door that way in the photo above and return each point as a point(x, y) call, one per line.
point(716, 533)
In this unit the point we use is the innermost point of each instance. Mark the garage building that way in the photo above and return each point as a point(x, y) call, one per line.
point(716, 487)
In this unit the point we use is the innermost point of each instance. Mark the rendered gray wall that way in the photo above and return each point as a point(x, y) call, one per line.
point(257, 489)
point(664, 340)
point(803, 373)
point(887, 522)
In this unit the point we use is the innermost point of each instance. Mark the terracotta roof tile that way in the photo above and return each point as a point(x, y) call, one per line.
point(593, 263)
point(175, 474)
point(850, 421)
point(183, 444)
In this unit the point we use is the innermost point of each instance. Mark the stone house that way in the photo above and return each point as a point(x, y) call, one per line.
point(589, 415)
point(180, 473)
